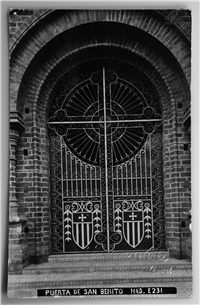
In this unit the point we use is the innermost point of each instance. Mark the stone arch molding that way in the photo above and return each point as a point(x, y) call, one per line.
point(52, 24)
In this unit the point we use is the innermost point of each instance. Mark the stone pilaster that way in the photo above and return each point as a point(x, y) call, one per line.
point(18, 250)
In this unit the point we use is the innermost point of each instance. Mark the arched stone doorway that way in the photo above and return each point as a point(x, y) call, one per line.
point(47, 53)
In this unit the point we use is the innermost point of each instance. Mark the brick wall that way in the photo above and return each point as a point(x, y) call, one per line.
point(36, 73)
point(20, 20)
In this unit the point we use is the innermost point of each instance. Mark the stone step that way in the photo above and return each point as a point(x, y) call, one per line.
point(92, 279)
point(118, 256)
point(112, 265)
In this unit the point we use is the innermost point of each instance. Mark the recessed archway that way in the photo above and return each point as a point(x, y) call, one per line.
point(49, 68)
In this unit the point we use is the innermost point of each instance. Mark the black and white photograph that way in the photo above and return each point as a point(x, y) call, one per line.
point(100, 153)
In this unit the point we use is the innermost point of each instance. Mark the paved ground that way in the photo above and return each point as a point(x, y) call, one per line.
point(61, 274)
point(41, 280)
point(92, 266)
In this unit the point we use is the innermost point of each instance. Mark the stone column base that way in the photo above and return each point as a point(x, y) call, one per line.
point(18, 258)
point(18, 249)
point(186, 243)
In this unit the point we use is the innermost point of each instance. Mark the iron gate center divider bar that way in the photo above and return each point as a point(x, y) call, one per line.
point(106, 160)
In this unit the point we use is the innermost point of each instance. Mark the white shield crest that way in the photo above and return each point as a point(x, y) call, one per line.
point(133, 227)
point(82, 229)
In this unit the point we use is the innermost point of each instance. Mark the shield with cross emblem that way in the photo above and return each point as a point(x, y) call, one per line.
point(133, 227)
point(82, 229)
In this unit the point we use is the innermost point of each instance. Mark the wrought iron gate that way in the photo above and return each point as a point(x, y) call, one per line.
point(106, 167)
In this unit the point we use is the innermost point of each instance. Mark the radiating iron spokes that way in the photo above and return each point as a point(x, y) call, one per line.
point(106, 126)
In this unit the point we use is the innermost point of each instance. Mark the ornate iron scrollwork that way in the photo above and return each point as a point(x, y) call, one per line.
point(104, 130)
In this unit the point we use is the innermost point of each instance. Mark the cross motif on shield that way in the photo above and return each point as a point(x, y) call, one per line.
point(82, 217)
point(133, 216)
